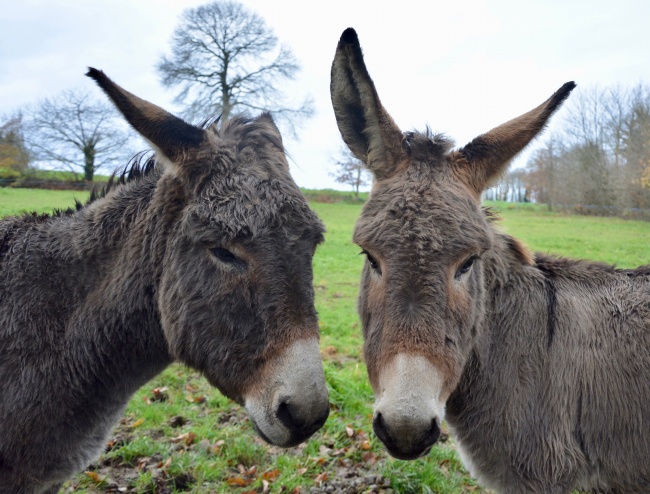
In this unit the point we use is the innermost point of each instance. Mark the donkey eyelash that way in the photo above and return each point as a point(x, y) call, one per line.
point(225, 256)
point(371, 260)
point(467, 265)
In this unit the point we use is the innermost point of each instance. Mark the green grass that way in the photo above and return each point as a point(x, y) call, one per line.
point(18, 201)
point(214, 448)
point(625, 243)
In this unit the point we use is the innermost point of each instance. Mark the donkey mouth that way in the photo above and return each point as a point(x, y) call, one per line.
point(295, 436)
point(399, 446)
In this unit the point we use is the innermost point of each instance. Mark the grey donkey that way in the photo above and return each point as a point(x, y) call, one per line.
point(540, 365)
point(203, 257)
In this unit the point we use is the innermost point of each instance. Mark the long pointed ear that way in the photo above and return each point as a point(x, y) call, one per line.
point(366, 127)
point(485, 158)
point(167, 133)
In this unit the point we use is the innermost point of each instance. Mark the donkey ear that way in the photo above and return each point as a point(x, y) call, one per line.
point(485, 158)
point(366, 127)
point(169, 135)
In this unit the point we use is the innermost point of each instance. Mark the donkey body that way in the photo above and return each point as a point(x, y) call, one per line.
point(203, 257)
point(540, 365)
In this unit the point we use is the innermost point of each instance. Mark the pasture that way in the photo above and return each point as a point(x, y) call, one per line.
point(181, 435)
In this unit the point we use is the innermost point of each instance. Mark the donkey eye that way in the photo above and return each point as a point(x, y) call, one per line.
point(372, 261)
point(224, 255)
point(466, 266)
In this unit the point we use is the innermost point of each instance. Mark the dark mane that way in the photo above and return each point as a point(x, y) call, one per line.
point(249, 131)
point(427, 144)
point(141, 165)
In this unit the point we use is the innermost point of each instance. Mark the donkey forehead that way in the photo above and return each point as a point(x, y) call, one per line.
point(422, 212)
point(245, 205)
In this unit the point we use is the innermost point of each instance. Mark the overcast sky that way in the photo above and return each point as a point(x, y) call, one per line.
point(462, 67)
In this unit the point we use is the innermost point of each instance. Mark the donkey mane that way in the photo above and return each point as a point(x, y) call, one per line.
point(427, 144)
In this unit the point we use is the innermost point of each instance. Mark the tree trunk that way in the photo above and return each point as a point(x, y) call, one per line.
point(89, 163)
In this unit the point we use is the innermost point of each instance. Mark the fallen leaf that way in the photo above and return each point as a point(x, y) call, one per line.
point(301, 471)
point(216, 447)
point(265, 486)
point(365, 445)
point(159, 394)
point(137, 423)
point(238, 481)
point(324, 450)
point(251, 471)
point(94, 476)
point(271, 475)
point(349, 431)
point(370, 458)
point(188, 438)
point(320, 478)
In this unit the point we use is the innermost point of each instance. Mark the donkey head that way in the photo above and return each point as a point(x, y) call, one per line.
point(234, 286)
point(422, 299)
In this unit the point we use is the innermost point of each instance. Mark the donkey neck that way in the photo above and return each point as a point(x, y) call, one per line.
point(94, 275)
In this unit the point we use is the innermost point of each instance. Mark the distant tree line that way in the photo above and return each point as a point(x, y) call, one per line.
point(599, 160)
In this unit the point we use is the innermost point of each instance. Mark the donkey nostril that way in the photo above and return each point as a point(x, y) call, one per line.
point(433, 434)
point(379, 426)
point(301, 427)
point(285, 416)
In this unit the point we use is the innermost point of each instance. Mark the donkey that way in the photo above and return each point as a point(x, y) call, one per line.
point(203, 258)
point(540, 365)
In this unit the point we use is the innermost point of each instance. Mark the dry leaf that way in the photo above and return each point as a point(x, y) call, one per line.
point(187, 438)
point(365, 445)
point(324, 450)
point(94, 477)
point(265, 486)
point(349, 431)
point(137, 423)
point(321, 478)
point(238, 481)
point(301, 471)
point(271, 475)
point(370, 458)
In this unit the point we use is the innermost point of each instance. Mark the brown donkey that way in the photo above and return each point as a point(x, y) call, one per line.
point(540, 365)
point(204, 258)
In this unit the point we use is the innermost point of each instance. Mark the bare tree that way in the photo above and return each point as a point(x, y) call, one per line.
point(636, 148)
point(225, 58)
point(14, 156)
point(350, 171)
point(73, 132)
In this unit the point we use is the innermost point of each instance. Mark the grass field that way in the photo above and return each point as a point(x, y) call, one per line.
point(181, 435)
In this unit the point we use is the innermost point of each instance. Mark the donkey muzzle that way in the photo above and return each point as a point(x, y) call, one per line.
point(408, 411)
point(291, 402)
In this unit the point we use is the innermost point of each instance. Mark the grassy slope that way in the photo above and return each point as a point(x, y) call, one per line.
point(216, 450)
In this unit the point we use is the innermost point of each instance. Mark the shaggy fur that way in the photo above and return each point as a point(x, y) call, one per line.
point(545, 362)
point(206, 261)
